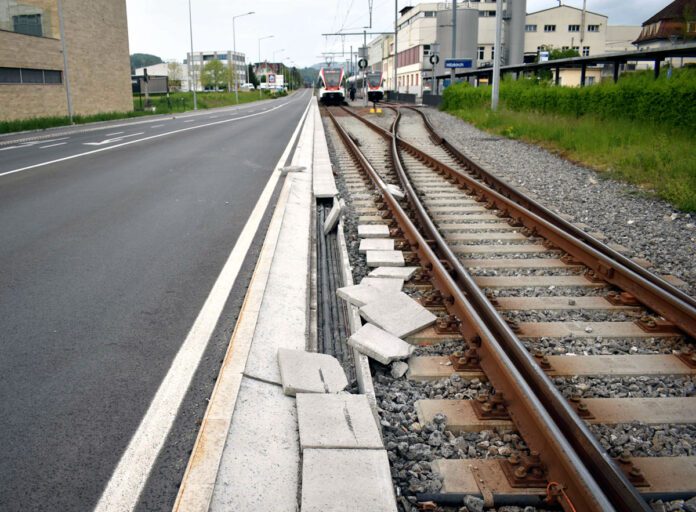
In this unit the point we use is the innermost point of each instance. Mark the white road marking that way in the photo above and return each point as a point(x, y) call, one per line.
point(143, 139)
point(157, 126)
point(112, 134)
point(52, 145)
point(110, 141)
point(213, 117)
point(32, 143)
point(131, 474)
point(189, 121)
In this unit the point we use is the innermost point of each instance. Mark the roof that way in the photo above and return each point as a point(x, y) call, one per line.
point(675, 10)
point(567, 7)
point(405, 10)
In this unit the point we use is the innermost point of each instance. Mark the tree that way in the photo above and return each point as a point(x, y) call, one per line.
point(252, 77)
point(213, 75)
point(175, 74)
point(141, 60)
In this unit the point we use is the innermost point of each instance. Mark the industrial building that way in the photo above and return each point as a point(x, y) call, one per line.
point(36, 81)
point(234, 60)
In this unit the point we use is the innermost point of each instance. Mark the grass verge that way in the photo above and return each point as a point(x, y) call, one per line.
point(655, 157)
point(175, 103)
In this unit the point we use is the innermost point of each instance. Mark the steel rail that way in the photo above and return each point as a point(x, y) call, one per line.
point(604, 267)
point(622, 493)
point(530, 416)
point(509, 191)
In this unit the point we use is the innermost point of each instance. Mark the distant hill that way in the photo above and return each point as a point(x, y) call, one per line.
point(140, 60)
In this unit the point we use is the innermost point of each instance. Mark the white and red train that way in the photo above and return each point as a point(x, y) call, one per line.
point(375, 85)
point(330, 86)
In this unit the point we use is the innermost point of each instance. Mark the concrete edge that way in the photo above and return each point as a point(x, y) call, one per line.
point(198, 483)
point(362, 364)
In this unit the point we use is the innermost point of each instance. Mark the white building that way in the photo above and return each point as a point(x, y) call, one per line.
point(230, 59)
point(175, 71)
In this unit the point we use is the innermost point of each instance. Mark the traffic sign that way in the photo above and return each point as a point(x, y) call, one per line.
point(434, 59)
point(458, 63)
point(271, 79)
point(362, 63)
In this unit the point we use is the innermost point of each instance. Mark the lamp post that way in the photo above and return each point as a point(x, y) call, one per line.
point(280, 67)
point(261, 39)
point(234, 56)
point(191, 62)
point(66, 75)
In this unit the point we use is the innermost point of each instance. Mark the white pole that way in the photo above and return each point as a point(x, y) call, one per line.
point(192, 61)
point(497, 51)
point(396, 47)
point(234, 61)
point(66, 76)
point(454, 40)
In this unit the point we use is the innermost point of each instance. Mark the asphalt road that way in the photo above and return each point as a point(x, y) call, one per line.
point(106, 258)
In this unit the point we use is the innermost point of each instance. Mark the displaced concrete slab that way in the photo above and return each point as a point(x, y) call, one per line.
point(394, 272)
point(335, 213)
point(360, 294)
point(343, 480)
point(396, 191)
point(337, 421)
point(379, 344)
point(384, 283)
point(376, 244)
point(398, 314)
point(309, 372)
point(373, 231)
point(251, 476)
point(385, 258)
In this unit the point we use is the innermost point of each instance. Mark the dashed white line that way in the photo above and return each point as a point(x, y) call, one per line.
point(189, 121)
point(52, 145)
point(112, 134)
point(157, 126)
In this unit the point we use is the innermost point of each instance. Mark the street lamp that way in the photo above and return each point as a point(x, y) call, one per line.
point(191, 62)
point(234, 56)
point(261, 39)
point(280, 67)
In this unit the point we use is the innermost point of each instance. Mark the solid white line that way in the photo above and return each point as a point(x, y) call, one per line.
point(52, 145)
point(112, 134)
point(138, 140)
point(133, 470)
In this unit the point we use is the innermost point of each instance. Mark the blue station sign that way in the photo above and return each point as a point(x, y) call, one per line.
point(458, 63)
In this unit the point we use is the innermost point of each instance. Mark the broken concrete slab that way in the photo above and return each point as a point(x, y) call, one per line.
point(383, 283)
point(341, 480)
point(376, 244)
point(396, 191)
point(398, 314)
point(337, 421)
point(385, 258)
point(360, 294)
point(373, 231)
point(398, 369)
point(379, 344)
point(309, 372)
point(394, 272)
point(335, 213)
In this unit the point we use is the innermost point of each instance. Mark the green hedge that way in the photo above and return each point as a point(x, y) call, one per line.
point(639, 97)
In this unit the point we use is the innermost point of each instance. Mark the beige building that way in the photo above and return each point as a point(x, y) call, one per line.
point(32, 74)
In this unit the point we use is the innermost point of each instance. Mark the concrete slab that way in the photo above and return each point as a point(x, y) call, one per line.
point(309, 372)
point(335, 213)
point(404, 273)
point(385, 259)
point(380, 345)
point(360, 294)
point(261, 460)
point(373, 231)
point(384, 283)
point(396, 191)
point(346, 480)
point(398, 314)
point(337, 421)
point(376, 244)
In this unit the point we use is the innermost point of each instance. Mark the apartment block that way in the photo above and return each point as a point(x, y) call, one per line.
point(32, 72)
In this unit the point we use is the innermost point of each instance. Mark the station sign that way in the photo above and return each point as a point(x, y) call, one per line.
point(459, 63)
point(271, 79)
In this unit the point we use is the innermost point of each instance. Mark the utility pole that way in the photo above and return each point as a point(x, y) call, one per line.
point(191, 62)
point(497, 51)
point(396, 48)
point(257, 78)
point(66, 75)
point(454, 40)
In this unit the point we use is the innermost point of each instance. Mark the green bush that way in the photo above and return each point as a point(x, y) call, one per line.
point(637, 97)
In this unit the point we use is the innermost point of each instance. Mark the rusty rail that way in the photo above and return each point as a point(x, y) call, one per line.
point(503, 364)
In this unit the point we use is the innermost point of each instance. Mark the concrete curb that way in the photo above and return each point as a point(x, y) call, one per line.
point(198, 482)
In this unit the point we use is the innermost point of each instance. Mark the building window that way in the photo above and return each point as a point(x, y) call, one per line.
point(585, 51)
point(564, 48)
point(576, 48)
point(590, 80)
point(430, 14)
point(573, 28)
point(481, 54)
point(29, 24)
point(691, 27)
point(549, 28)
point(30, 76)
point(530, 28)
point(493, 53)
point(593, 28)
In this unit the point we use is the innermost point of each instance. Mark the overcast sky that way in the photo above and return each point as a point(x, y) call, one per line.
point(161, 27)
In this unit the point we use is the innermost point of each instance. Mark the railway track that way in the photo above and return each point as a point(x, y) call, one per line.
point(516, 289)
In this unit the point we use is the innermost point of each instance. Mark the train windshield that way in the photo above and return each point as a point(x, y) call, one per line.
point(374, 79)
point(332, 77)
